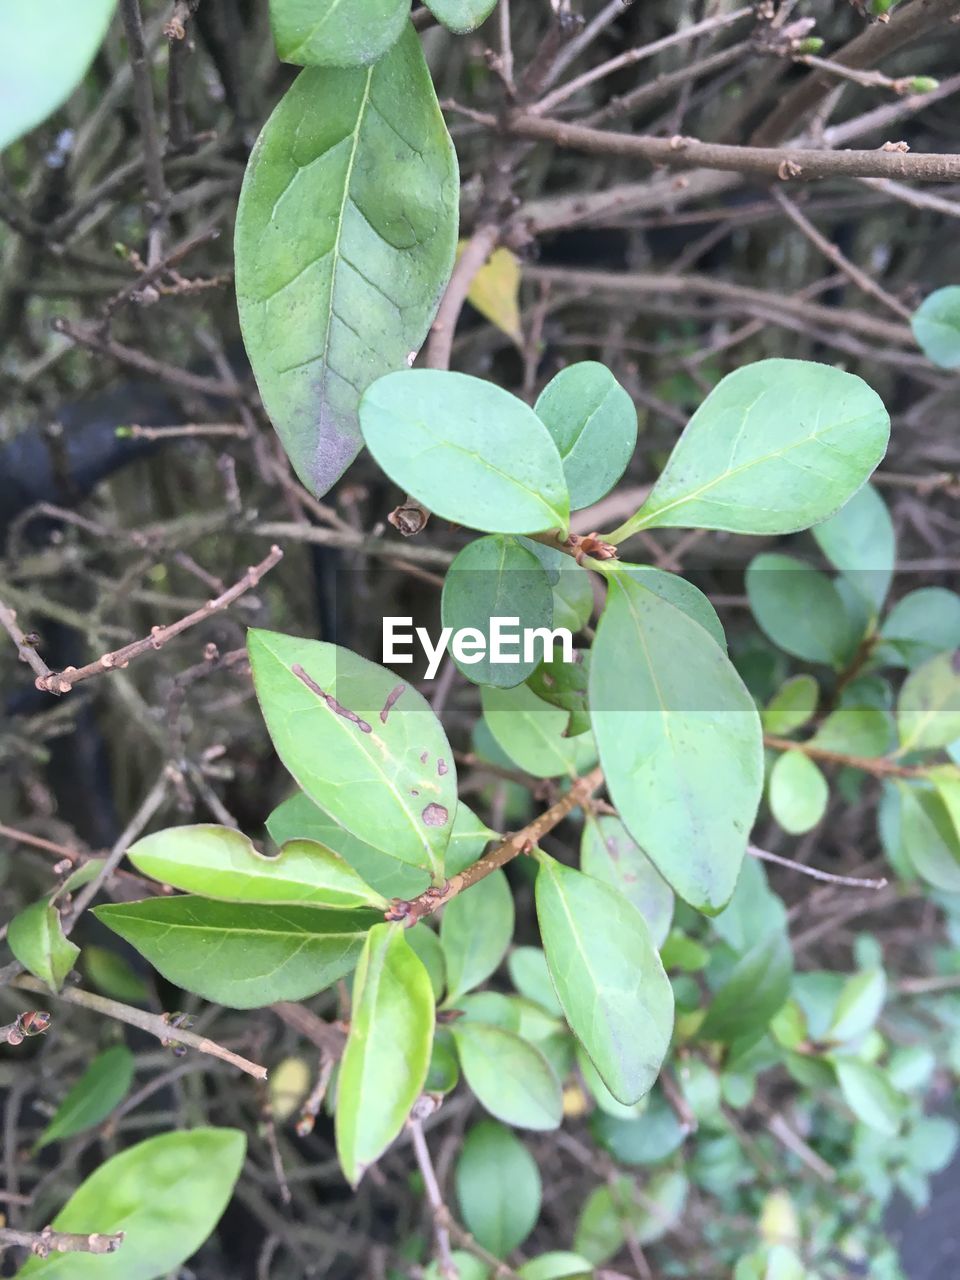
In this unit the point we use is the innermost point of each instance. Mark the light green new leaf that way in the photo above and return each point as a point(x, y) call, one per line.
point(366, 748)
point(936, 326)
point(345, 239)
point(165, 1194)
point(37, 72)
point(496, 577)
point(859, 1006)
point(856, 731)
point(928, 709)
point(37, 940)
point(593, 423)
point(336, 33)
point(608, 852)
point(792, 705)
point(511, 1078)
point(679, 739)
point(461, 16)
point(557, 1266)
point(468, 1267)
point(467, 449)
point(498, 1186)
point(100, 1089)
point(608, 977)
point(798, 792)
point(219, 862)
point(930, 836)
point(870, 1095)
point(800, 609)
point(922, 624)
point(776, 446)
point(755, 990)
point(387, 1054)
point(532, 731)
point(475, 931)
point(242, 955)
point(859, 541)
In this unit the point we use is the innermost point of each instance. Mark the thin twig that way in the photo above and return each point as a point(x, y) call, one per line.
point(149, 133)
point(852, 882)
point(42, 1243)
point(877, 766)
point(26, 650)
point(439, 1210)
point(475, 253)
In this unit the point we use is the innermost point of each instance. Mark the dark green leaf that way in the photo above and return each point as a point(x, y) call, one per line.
point(594, 425)
point(859, 541)
point(510, 1077)
point(564, 685)
point(924, 623)
point(755, 990)
point(798, 792)
point(367, 749)
point(608, 852)
point(218, 862)
point(36, 939)
point(928, 709)
point(776, 446)
point(100, 1089)
point(444, 1070)
point(607, 975)
point(936, 326)
point(498, 1187)
point(650, 1138)
point(461, 16)
point(800, 609)
point(240, 955)
point(336, 33)
point(426, 945)
point(679, 739)
point(166, 1195)
point(792, 705)
point(345, 238)
point(387, 1054)
point(475, 931)
point(114, 976)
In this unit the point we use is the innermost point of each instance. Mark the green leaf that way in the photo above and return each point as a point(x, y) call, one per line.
point(859, 1006)
point(469, 450)
point(336, 33)
point(37, 940)
point(345, 238)
point(531, 977)
point(531, 732)
point(37, 73)
point(243, 956)
point(100, 1089)
point(492, 1008)
point(924, 623)
point(114, 976)
point(495, 577)
point(468, 1268)
point(611, 1211)
point(608, 977)
point(461, 16)
point(800, 609)
point(218, 862)
point(753, 911)
point(870, 1096)
point(475, 931)
point(679, 739)
point(755, 990)
point(859, 541)
point(776, 446)
point(426, 945)
point(792, 705)
point(593, 423)
point(166, 1195)
point(444, 1071)
point(683, 595)
point(511, 1078)
point(565, 685)
point(798, 792)
point(651, 1138)
point(608, 852)
point(468, 840)
point(387, 1054)
point(498, 1187)
point(298, 818)
point(931, 840)
point(856, 731)
point(936, 327)
point(573, 600)
point(928, 709)
point(367, 749)
point(557, 1266)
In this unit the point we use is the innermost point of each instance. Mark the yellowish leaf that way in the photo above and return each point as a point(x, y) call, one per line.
point(495, 291)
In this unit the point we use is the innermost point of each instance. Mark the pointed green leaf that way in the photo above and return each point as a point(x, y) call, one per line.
point(37, 940)
point(928, 709)
point(593, 423)
point(859, 541)
point(461, 16)
point(859, 1005)
point(366, 748)
point(801, 610)
point(756, 989)
point(510, 1077)
point(495, 577)
point(166, 1195)
point(387, 1054)
point(936, 326)
point(469, 450)
point(218, 862)
point(241, 955)
point(798, 792)
point(345, 239)
point(475, 931)
point(683, 595)
point(498, 1187)
point(776, 446)
point(792, 705)
point(929, 836)
point(531, 732)
point(608, 852)
point(679, 739)
point(607, 975)
point(336, 33)
point(101, 1088)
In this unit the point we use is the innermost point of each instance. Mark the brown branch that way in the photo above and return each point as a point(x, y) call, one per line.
point(878, 767)
point(445, 1263)
point(414, 909)
point(42, 1243)
point(151, 273)
point(153, 1024)
point(59, 682)
point(27, 651)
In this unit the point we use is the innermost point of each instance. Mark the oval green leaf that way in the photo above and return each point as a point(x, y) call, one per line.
point(936, 327)
point(469, 450)
point(928, 708)
point(792, 705)
point(498, 1186)
point(798, 792)
point(461, 16)
point(240, 955)
point(37, 940)
point(101, 1088)
point(860, 541)
point(679, 739)
point(755, 990)
point(608, 852)
point(800, 610)
point(510, 1077)
point(922, 624)
point(387, 1054)
point(475, 931)
point(607, 975)
point(345, 239)
point(532, 732)
point(336, 33)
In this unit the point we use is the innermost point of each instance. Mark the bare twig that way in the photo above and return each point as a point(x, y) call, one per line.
point(851, 882)
point(149, 133)
point(877, 766)
point(26, 650)
point(439, 1210)
point(475, 253)
point(42, 1243)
